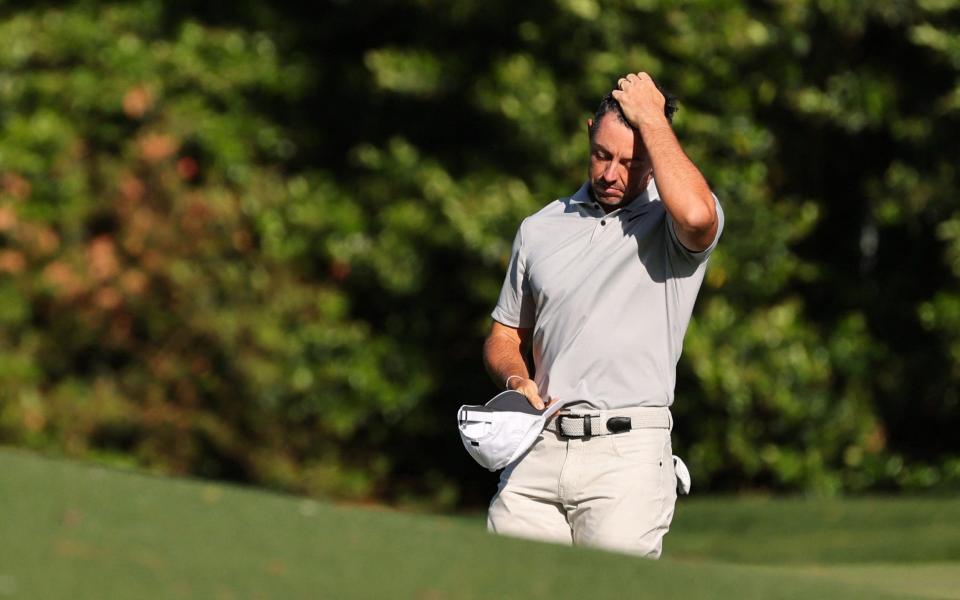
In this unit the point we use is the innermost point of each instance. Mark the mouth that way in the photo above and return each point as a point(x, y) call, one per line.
point(609, 192)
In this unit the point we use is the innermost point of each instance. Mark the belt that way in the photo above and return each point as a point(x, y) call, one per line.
point(589, 423)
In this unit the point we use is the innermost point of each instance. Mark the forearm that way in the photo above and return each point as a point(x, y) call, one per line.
point(503, 358)
point(683, 189)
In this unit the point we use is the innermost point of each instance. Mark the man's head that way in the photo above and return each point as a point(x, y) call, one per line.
point(620, 167)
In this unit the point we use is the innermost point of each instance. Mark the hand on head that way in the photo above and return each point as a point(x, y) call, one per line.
point(641, 100)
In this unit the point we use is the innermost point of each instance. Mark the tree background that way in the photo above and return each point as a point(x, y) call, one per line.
point(261, 243)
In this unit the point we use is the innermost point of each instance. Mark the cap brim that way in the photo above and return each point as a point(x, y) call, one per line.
point(512, 401)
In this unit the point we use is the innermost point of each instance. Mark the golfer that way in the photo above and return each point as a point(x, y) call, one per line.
point(600, 286)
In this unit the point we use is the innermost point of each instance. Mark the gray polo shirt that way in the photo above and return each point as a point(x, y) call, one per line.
point(608, 298)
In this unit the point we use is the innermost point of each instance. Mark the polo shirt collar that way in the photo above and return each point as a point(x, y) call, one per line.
point(582, 196)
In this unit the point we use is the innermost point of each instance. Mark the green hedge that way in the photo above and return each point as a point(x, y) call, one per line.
point(263, 245)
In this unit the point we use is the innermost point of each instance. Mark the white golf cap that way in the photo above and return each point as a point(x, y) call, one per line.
point(500, 431)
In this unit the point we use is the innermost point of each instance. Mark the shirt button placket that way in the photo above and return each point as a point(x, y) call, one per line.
point(598, 228)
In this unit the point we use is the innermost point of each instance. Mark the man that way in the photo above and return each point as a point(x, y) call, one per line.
point(601, 286)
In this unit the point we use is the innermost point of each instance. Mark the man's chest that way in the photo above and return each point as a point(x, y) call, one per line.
point(589, 258)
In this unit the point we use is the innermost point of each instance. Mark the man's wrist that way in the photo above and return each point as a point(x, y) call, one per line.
point(506, 384)
point(657, 123)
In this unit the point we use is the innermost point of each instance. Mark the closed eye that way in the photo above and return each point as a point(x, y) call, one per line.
point(601, 155)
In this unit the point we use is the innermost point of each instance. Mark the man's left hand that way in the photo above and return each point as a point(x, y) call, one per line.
point(641, 101)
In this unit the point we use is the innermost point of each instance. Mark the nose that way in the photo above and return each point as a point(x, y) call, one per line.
point(610, 171)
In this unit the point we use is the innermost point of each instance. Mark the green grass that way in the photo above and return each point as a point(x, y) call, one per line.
point(71, 530)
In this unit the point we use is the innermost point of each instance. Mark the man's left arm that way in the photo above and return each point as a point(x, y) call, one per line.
point(683, 190)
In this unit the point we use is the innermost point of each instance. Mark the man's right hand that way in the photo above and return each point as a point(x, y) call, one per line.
point(528, 388)
point(503, 357)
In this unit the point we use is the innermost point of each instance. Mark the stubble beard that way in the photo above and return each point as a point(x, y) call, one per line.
point(620, 202)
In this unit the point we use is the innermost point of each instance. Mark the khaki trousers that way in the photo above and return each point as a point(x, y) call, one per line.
point(615, 492)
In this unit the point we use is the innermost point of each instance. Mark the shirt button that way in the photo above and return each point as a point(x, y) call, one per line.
point(603, 222)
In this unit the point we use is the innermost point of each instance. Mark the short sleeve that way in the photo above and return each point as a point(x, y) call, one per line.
point(515, 307)
point(703, 255)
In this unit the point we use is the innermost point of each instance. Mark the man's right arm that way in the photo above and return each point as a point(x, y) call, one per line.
point(503, 357)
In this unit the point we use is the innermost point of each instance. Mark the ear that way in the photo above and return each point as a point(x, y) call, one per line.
point(589, 124)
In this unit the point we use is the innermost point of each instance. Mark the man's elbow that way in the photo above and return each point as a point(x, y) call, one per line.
point(489, 346)
point(697, 228)
point(495, 343)
point(503, 338)
point(699, 217)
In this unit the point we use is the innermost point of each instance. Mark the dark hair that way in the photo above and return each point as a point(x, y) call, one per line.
point(610, 104)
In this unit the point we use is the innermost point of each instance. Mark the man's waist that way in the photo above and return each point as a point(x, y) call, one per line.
point(582, 391)
point(581, 421)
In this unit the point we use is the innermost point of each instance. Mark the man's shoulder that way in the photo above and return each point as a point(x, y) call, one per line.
point(557, 209)
point(554, 208)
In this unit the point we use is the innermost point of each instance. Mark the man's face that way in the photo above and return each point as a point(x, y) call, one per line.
point(619, 166)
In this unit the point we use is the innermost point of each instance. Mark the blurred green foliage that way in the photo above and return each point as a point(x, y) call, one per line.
point(263, 244)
